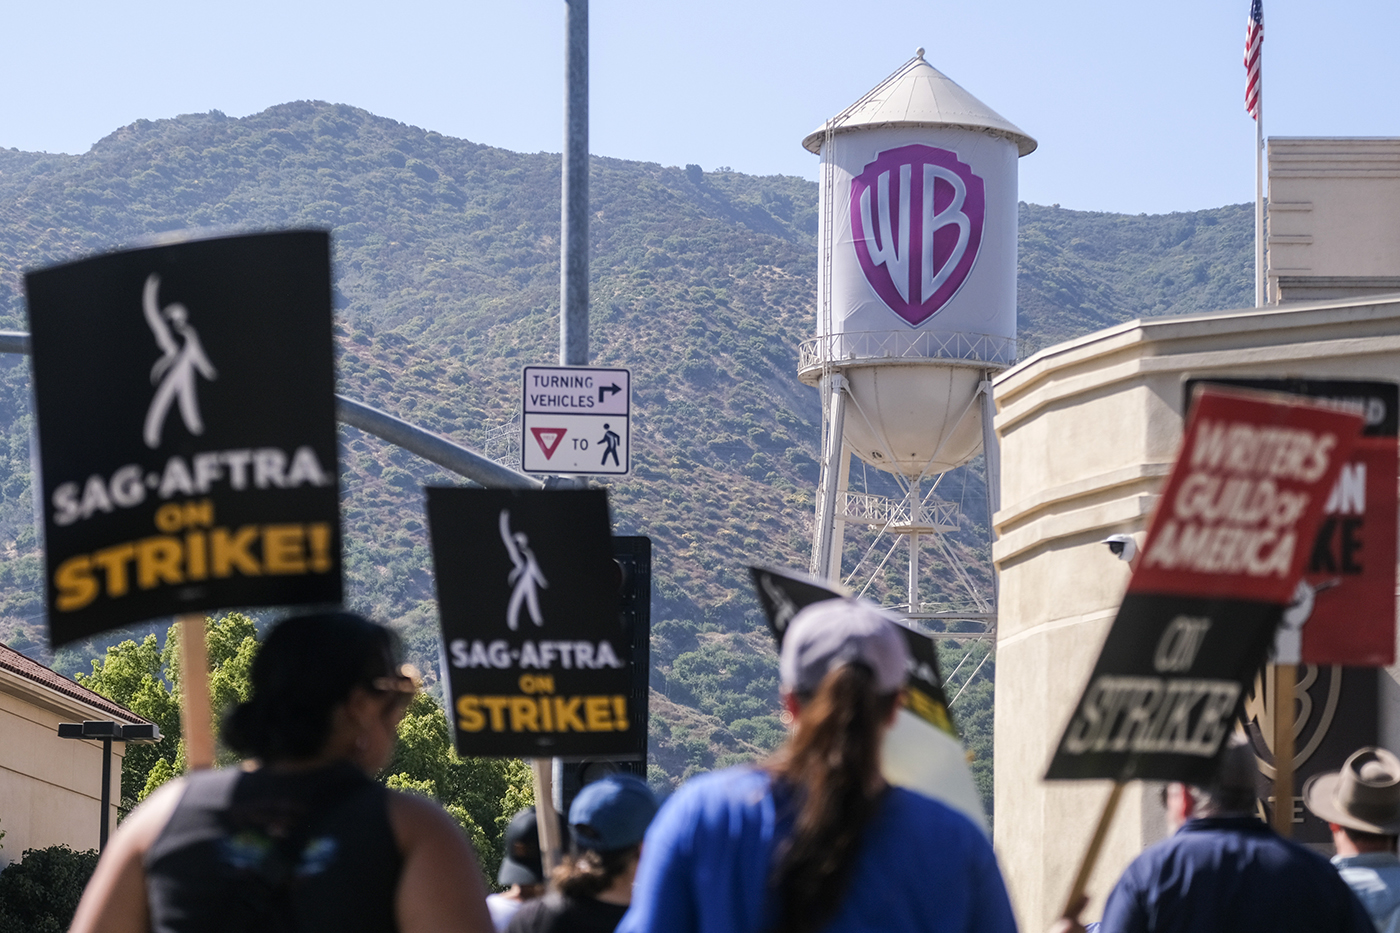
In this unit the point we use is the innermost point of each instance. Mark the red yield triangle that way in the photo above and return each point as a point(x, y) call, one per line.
point(548, 439)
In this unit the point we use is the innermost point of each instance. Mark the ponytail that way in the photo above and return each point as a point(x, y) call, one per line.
point(832, 765)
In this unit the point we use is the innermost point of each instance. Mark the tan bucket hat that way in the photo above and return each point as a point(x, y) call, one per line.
point(1364, 795)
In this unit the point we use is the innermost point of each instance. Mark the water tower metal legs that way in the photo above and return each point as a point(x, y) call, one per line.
point(833, 390)
point(915, 517)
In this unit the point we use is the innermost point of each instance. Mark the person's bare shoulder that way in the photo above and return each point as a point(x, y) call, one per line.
point(114, 901)
point(441, 888)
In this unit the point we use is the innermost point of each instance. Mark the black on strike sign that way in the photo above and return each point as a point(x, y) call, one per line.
point(186, 427)
point(1224, 553)
point(533, 647)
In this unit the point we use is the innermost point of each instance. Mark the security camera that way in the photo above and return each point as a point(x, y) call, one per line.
point(1124, 547)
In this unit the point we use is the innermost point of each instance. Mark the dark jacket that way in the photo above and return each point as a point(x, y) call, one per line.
point(1231, 874)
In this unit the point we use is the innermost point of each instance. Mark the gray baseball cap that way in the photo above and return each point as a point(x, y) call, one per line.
point(828, 634)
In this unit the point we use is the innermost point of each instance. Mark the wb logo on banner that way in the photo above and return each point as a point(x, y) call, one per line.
point(916, 220)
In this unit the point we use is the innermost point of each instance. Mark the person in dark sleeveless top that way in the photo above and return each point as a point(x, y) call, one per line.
point(302, 838)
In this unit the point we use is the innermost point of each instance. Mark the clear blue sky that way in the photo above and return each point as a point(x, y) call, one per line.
point(1137, 106)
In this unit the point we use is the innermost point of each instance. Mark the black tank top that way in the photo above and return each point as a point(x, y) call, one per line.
point(279, 852)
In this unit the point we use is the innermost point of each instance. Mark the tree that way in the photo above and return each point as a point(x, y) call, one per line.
point(40, 892)
point(134, 675)
point(482, 794)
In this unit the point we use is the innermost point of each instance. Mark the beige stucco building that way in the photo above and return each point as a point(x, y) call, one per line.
point(1088, 432)
point(51, 788)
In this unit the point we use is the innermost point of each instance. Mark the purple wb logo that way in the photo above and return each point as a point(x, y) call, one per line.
point(916, 218)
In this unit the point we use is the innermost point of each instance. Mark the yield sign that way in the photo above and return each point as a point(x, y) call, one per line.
point(548, 439)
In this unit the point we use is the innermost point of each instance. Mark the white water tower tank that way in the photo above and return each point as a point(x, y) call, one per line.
point(917, 266)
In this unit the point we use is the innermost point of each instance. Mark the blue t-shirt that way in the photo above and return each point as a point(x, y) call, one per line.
point(922, 867)
point(1235, 874)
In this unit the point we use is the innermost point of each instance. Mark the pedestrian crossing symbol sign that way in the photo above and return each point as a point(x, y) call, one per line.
point(576, 420)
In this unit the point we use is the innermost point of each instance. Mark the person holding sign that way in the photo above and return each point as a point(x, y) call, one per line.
point(302, 837)
point(1223, 869)
point(815, 839)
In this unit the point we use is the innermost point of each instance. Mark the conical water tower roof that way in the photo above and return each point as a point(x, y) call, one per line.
point(918, 94)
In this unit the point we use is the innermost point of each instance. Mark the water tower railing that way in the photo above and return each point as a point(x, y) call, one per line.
point(850, 347)
point(869, 509)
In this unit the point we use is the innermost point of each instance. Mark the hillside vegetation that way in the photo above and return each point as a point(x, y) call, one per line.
point(446, 283)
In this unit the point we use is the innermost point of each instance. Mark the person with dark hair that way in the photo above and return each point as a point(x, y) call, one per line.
point(302, 837)
point(1223, 869)
point(1361, 804)
point(814, 839)
point(522, 869)
point(594, 885)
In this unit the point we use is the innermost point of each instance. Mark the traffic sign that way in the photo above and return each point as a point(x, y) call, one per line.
point(576, 420)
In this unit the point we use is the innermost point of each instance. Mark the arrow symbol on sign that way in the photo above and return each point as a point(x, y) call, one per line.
point(548, 439)
point(602, 390)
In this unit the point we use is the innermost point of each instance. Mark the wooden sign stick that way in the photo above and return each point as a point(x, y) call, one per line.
point(196, 722)
point(1285, 680)
point(546, 817)
point(1091, 854)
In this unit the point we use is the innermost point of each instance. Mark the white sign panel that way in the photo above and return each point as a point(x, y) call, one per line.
point(576, 420)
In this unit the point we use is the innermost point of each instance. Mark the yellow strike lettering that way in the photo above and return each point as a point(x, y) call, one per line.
point(170, 518)
point(619, 713)
point(113, 560)
point(76, 585)
point(536, 683)
point(469, 718)
point(524, 715)
point(546, 715)
point(174, 516)
point(596, 712)
point(283, 548)
point(158, 561)
point(199, 514)
point(229, 552)
point(318, 536)
point(497, 708)
point(196, 556)
point(566, 714)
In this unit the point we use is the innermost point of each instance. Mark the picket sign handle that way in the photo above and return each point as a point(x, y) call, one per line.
point(196, 722)
point(1091, 854)
point(1285, 681)
point(546, 818)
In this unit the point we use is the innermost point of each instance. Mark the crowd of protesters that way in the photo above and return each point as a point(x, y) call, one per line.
point(302, 838)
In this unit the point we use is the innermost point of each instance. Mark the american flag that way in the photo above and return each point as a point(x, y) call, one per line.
point(1253, 46)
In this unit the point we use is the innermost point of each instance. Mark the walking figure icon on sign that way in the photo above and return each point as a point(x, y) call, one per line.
point(526, 576)
point(611, 440)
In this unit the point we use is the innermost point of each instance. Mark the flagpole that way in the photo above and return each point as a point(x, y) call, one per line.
point(1260, 286)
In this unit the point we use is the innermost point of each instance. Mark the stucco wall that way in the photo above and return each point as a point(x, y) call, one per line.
point(50, 788)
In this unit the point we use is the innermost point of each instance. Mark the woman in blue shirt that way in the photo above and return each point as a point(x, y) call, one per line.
point(814, 840)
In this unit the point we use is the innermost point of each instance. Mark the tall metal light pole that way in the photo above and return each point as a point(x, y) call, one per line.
point(573, 324)
point(573, 275)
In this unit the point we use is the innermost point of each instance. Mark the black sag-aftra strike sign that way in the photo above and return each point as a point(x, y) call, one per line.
point(535, 653)
point(186, 428)
point(1224, 554)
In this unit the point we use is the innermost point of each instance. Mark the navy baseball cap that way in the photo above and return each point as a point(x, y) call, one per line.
point(612, 813)
point(523, 863)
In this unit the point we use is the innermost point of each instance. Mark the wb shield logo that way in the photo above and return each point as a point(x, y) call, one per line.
point(916, 219)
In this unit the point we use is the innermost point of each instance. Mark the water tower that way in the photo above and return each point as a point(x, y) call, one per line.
point(916, 306)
